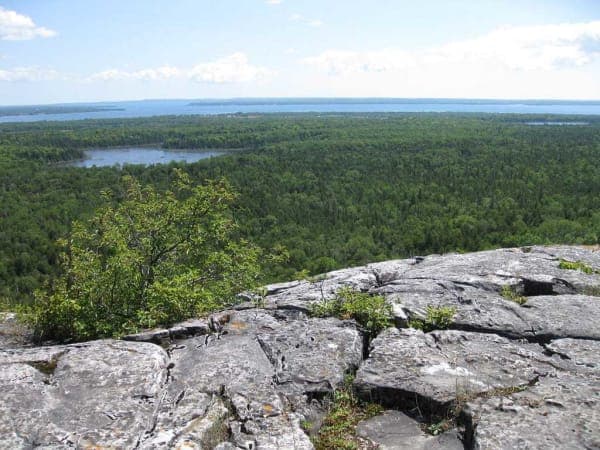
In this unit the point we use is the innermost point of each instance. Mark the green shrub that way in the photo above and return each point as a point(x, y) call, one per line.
point(372, 312)
point(511, 294)
point(153, 259)
point(437, 318)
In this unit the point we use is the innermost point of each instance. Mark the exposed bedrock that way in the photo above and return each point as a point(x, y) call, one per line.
point(518, 366)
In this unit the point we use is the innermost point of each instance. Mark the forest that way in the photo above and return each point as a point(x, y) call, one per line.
point(329, 191)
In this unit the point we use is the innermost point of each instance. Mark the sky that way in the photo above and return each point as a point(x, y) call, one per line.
point(60, 51)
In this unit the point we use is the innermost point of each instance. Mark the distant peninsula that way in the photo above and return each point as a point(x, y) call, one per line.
point(32, 110)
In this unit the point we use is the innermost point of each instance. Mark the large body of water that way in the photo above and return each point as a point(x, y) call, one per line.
point(149, 108)
point(140, 155)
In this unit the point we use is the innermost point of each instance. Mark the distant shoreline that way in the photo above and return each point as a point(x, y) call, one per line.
point(383, 101)
point(210, 107)
point(52, 109)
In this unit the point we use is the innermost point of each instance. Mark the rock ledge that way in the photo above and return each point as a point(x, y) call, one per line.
point(505, 375)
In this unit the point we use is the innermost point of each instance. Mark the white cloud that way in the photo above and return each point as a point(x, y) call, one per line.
point(234, 68)
point(17, 27)
point(157, 74)
point(29, 74)
point(273, 2)
point(306, 21)
point(342, 62)
point(545, 47)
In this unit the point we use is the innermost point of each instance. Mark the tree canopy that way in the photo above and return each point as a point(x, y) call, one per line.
point(336, 190)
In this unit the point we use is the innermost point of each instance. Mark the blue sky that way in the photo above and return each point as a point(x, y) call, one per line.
point(90, 50)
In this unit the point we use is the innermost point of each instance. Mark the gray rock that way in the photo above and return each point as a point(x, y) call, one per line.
point(101, 393)
point(587, 254)
point(394, 430)
point(226, 446)
point(313, 355)
point(242, 365)
point(561, 412)
point(233, 368)
point(299, 296)
point(450, 440)
point(540, 319)
point(537, 273)
point(182, 330)
point(191, 327)
point(437, 369)
point(156, 336)
point(584, 354)
point(275, 433)
point(472, 283)
point(569, 316)
point(523, 376)
point(476, 309)
point(12, 333)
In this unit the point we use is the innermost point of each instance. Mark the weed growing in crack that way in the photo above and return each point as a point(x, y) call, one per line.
point(217, 433)
point(259, 296)
point(437, 318)
point(306, 425)
point(509, 293)
point(577, 265)
point(439, 427)
point(372, 312)
point(339, 425)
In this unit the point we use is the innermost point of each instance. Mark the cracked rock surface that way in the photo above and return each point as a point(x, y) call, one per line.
point(97, 394)
point(504, 375)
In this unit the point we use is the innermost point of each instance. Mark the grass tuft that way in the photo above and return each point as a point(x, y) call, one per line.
point(339, 426)
point(577, 265)
point(437, 318)
point(509, 293)
point(372, 312)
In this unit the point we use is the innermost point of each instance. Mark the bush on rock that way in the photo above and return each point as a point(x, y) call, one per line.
point(153, 258)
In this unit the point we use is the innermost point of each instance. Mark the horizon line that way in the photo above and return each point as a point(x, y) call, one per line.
point(308, 98)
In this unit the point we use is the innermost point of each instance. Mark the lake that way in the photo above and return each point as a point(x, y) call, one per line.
point(149, 108)
point(141, 155)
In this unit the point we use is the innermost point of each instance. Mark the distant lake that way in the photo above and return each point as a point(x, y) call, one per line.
point(149, 108)
point(141, 155)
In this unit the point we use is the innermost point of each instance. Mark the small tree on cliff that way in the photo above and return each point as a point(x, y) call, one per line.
point(153, 259)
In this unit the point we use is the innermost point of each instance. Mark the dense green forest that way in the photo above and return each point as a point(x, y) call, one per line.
point(334, 190)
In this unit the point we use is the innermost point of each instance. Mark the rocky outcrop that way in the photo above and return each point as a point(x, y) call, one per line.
point(506, 374)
